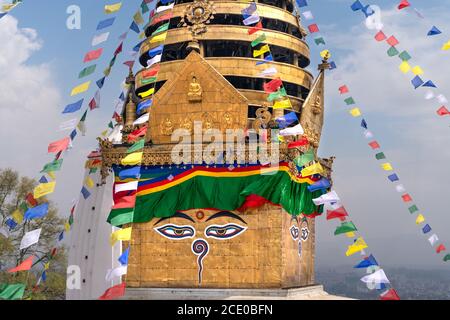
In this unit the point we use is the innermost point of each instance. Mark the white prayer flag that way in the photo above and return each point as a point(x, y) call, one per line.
point(133, 185)
point(429, 95)
point(154, 60)
point(308, 15)
point(442, 99)
point(116, 135)
point(377, 277)
point(368, 134)
point(142, 119)
point(164, 8)
point(30, 238)
point(433, 239)
point(117, 272)
point(68, 125)
point(100, 39)
point(400, 188)
point(269, 72)
point(254, 18)
point(293, 131)
point(329, 197)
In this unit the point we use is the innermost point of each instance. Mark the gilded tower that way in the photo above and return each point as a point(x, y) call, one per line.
point(230, 221)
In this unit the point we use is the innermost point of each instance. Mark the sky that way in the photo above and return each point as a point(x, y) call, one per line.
point(40, 60)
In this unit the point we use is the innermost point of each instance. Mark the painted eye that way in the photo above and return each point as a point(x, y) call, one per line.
point(175, 232)
point(224, 232)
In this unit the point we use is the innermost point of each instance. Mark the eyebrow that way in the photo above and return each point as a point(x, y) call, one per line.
point(225, 214)
point(176, 215)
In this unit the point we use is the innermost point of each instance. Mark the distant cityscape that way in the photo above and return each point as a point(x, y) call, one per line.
point(411, 284)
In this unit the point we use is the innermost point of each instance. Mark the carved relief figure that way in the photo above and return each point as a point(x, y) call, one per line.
point(195, 91)
point(167, 127)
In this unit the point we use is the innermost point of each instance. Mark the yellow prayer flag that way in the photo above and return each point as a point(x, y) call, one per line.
point(387, 166)
point(44, 189)
point(158, 38)
point(420, 219)
point(81, 88)
point(147, 93)
point(446, 46)
point(316, 168)
point(265, 48)
point(142, 35)
point(89, 182)
point(405, 67)
point(122, 234)
point(111, 8)
point(17, 216)
point(51, 174)
point(281, 138)
point(67, 227)
point(283, 104)
point(355, 112)
point(417, 70)
point(9, 7)
point(325, 54)
point(132, 159)
point(358, 246)
point(138, 18)
point(47, 266)
point(104, 133)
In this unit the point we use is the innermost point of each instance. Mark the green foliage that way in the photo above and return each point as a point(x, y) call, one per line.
point(13, 189)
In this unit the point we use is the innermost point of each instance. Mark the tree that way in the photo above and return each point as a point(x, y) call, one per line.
point(13, 191)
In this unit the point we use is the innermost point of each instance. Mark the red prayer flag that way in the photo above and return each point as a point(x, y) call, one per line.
point(119, 49)
point(403, 4)
point(92, 55)
point(151, 72)
point(93, 104)
point(302, 142)
point(125, 202)
point(390, 294)
point(380, 36)
point(31, 200)
point(313, 28)
point(272, 85)
point(24, 266)
point(392, 41)
point(255, 28)
point(114, 292)
point(339, 213)
point(130, 64)
point(137, 133)
point(59, 145)
point(406, 198)
point(343, 90)
point(443, 111)
point(440, 248)
point(53, 253)
point(162, 18)
point(374, 145)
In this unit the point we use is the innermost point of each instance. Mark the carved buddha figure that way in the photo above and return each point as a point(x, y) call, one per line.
point(195, 91)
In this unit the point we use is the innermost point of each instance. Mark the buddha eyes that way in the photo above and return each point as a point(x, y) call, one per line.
point(224, 232)
point(175, 232)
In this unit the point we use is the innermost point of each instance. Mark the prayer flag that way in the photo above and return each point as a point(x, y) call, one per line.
point(420, 219)
point(254, 18)
point(404, 56)
point(417, 70)
point(295, 144)
point(98, 39)
point(426, 229)
point(142, 119)
point(345, 227)
point(256, 28)
point(24, 266)
point(443, 111)
point(413, 209)
point(393, 177)
point(111, 8)
point(392, 51)
point(339, 213)
point(343, 89)
point(433, 239)
point(316, 168)
point(53, 166)
point(44, 189)
point(434, 31)
point(447, 258)
point(147, 93)
point(280, 94)
point(93, 55)
point(133, 172)
point(12, 291)
point(390, 294)
point(137, 146)
point(357, 5)
point(387, 167)
point(322, 184)
point(374, 145)
point(406, 198)
point(367, 262)
point(138, 18)
point(154, 60)
point(429, 84)
point(123, 259)
point(114, 292)
point(105, 23)
point(71, 108)
point(377, 277)
point(260, 52)
point(87, 71)
point(287, 119)
point(349, 101)
point(116, 273)
point(392, 41)
point(121, 235)
point(259, 40)
point(17, 216)
point(380, 156)
point(272, 85)
point(127, 186)
point(123, 218)
point(416, 82)
point(355, 112)
point(313, 28)
point(380, 36)
point(403, 4)
point(357, 246)
point(405, 67)
point(80, 88)
point(330, 197)
point(36, 212)
point(160, 29)
point(85, 192)
point(144, 105)
point(30, 238)
point(158, 38)
point(293, 131)
point(132, 159)
point(305, 158)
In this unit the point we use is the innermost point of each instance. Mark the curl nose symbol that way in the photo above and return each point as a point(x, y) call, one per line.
point(200, 248)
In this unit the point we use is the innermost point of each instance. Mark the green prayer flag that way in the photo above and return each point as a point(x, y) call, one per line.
point(12, 291)
point(259, 40)
point(277, 95)
point(71, 220)
point(83, 118)
point(349, 101)
point(107, 71)
point(23, 206)
point(162, 28)
point(144, 7)
point(404, 56)
point(392, 51)
point(149, 80)
point(345, 227)
point(447, 258)
point(137, 146)
point(93, 170)
point(319, 41)
point(123, 218)
point(53, 166)
point(87, 71)
point(380, 156)
point(110, 124)
point(305, 158)
point(413, 209)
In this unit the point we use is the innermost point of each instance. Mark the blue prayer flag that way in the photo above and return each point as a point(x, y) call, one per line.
point(144, 105)
point(417, 82)
point(122, 96)
point(266, 59)
point(301, 3)
point(367, 262)
point(429, 84)
point(135, 27)
point(138, 46)
point(249, 10)
point(364, 124)
point(105, 23)
point(123, 259)
point(367, 11)
point(11, 223)
point(155, 51)
point(434, 31)
point(73, 134)
point(37, 212)
point(61, 236)
point(322, 184)
point(133, 172)
point(43, 179)
point(287, 119)
point(426, 228)
point(166, 1)
point(393, 177)
point(2, 14)
point(85, 192)
point(101, 82)
point(73, 107)
point(44, 276)
point(332, 65)
point(357, 5)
